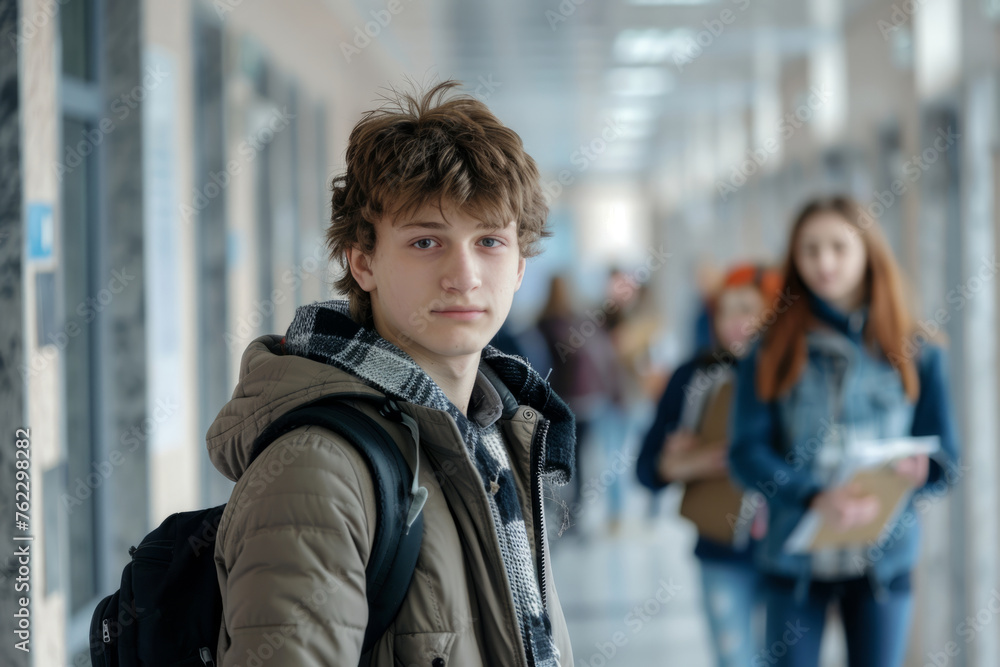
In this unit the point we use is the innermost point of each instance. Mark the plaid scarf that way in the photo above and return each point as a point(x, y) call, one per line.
point(324, 332)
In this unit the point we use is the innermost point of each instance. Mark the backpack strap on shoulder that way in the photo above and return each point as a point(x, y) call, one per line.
point(418, 494)
point(398, 498)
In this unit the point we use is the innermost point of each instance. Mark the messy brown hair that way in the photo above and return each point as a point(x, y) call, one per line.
point(413, 152)
point(890, 325)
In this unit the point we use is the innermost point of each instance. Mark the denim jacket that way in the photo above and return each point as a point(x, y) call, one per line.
point(788, 447)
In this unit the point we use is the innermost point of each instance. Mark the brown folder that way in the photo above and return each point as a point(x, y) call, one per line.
point(890, 487)
point(712, 504)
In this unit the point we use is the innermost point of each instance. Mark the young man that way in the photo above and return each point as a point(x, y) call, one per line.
point(433, 219)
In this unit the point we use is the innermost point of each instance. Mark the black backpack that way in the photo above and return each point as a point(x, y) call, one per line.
point(168, 610)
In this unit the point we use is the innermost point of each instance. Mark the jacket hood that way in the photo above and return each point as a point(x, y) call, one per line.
point(271, 383)
point(281, 373)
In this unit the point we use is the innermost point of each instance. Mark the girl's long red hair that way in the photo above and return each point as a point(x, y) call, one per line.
point(890, 324)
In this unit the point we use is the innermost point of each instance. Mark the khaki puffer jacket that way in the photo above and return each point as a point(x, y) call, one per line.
point(295, 537)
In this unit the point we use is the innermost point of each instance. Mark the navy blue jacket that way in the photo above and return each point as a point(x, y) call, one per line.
point(668, 413)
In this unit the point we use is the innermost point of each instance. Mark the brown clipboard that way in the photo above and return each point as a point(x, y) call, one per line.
point(889, 487)
point(711, 504)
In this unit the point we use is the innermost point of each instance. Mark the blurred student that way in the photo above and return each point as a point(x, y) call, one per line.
point(843, 363)
point(583, 373)
point(731, 586)
point(633, 327)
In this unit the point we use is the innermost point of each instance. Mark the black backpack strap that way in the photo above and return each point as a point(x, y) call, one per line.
point(394, 553)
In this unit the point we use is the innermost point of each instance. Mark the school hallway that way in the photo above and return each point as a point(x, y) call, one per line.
point(166, 201)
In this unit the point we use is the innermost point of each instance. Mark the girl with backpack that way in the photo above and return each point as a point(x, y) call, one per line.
point(844, 364)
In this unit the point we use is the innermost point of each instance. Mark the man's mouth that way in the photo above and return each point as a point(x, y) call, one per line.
point(461, 312)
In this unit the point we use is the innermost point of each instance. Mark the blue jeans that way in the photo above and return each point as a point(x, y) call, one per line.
point(613, 427)
point(876, 631)
point(731, 592)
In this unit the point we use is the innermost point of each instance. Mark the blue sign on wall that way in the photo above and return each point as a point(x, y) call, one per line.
point(40, 231)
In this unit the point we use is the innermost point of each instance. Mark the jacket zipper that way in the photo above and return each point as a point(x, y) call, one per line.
point(537, 445)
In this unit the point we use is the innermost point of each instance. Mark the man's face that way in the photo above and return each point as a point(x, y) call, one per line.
point(441, 284)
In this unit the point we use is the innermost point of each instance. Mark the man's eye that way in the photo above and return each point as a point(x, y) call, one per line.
point(491, 242)
point(423, 244)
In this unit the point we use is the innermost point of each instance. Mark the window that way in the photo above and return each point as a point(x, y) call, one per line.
point(76, 25)
point(79, 160)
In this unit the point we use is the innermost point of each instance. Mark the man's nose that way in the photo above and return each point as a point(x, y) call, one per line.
point(461, 270)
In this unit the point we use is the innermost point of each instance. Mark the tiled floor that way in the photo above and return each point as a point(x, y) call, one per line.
point(611, 588)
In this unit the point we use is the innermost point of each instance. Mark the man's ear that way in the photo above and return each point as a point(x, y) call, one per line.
point(521, 263)
point(361, 268)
